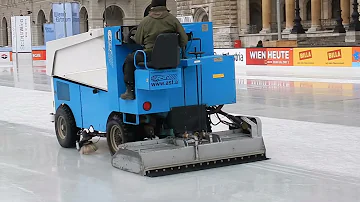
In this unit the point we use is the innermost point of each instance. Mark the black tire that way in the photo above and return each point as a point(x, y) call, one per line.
point(116, 133)
point(65, 127)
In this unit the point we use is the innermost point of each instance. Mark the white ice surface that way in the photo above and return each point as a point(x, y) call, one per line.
point(304, 145)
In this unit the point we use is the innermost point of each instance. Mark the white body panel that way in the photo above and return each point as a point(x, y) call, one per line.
point(79, 58)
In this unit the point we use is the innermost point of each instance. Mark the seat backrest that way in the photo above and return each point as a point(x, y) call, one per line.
point(166, 51)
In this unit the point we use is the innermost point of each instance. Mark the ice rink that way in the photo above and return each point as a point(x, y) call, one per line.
point(311, 130)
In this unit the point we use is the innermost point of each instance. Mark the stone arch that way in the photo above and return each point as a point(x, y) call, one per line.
point(146, 12)
point(84, 23)
point(5, 36)
point(40, 27)
point(113, 16)
point(335, 7)
point(255, 16)
point(201, 15)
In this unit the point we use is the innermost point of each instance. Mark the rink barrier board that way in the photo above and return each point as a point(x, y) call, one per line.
point(335, 57)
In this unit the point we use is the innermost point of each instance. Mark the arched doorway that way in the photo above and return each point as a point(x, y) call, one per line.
point(147, 10)
point(5, 36)
point(40, 24)
point(113, 16)
point(255, 17)
point(200, 15)
point(84, 23)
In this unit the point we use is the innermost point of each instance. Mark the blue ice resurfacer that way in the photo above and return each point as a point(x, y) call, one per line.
point(169, 126)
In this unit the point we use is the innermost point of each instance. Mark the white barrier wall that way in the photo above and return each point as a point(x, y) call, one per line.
point(289, 63)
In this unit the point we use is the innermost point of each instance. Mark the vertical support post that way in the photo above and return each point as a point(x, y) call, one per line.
point(355, 24)
point(298, 28)
point(278, 19)
point(266, 16)
point(339, 28)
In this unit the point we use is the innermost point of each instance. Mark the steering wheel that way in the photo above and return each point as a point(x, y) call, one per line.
point(131, 34)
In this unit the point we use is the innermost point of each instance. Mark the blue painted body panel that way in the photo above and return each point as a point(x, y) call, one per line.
point(95, 108)
point(164, 89)
point(74, 102)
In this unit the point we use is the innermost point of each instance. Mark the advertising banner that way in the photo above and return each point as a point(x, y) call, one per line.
point(75, 9)
point(4, 57)
point(355, 56)
point(239, 55)
point(21, 34)
point(39, 54)
point(49, 32)
point(279, 56)
point(332, 57)
point(256, 56)
point(36, 55)
point(68, 20)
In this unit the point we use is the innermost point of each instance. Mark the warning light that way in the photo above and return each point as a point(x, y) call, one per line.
point(147, 106)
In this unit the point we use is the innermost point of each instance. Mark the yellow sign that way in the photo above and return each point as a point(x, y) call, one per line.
point(216, 76)
point(323, 57)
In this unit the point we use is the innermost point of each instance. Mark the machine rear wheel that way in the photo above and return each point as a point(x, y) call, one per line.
point(116, 133)
point(65, 127)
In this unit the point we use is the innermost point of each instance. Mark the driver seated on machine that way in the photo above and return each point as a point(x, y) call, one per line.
point(158, 21)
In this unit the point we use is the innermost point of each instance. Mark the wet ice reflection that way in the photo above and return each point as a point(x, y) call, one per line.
point(26, 75)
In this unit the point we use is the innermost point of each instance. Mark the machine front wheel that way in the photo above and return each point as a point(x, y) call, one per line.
point(65, 127)
point(115, 134)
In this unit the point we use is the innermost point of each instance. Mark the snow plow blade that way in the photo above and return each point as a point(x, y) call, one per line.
point(176, 155)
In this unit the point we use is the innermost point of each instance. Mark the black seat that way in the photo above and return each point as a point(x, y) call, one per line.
point(166, 52)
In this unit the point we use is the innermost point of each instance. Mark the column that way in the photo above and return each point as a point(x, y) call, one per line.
point(289, 15)
point(266, 16)
point(345, 12)
point(243, 13)
point(315, 15)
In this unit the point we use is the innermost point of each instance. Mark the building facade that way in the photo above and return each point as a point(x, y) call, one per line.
point(253, 20)
point(92, 15)
point(247, 20)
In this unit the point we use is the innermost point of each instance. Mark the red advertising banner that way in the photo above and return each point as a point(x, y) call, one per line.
point(269, 56)
point(256, 56)
point(279, 56)
point(37, 55)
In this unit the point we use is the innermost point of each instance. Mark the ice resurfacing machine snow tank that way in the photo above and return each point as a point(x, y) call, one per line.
point(168, 127)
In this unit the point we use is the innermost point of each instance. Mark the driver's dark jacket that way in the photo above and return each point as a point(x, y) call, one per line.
point(158, 21)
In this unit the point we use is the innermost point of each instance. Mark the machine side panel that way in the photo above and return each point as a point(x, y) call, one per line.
point(68, 93)
point(202, 31)
point(177, 95)
point(95, 108)
point(85, 67)
point(191, 97)
point(115, 53)
point(218, 81)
